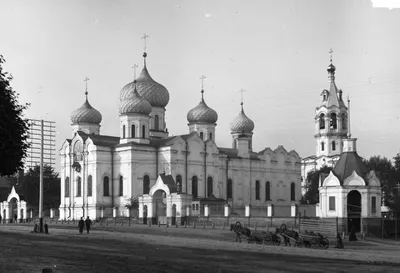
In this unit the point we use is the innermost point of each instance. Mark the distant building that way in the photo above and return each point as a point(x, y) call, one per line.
point(99, 173)
point(331, 121)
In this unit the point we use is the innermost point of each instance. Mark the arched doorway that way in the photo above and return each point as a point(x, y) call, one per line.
point(145, 215)
point(13, 210)
point(354, 210)
point(160, 207)
point(173, 215)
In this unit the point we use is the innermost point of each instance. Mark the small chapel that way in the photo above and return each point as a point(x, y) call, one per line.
point(171, 176)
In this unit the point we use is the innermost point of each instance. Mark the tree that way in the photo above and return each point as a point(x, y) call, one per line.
point(312, 193)
point(29, 186)
point(13, 128)
point(133, 204)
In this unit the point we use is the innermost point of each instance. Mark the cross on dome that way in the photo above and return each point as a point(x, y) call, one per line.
point(202, 85)
point(330, 52)
point(144, 38)
point(86, 92)
point(134, 71)
point(241, 97)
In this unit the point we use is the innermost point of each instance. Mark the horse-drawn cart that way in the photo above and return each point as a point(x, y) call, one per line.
point(311, 239)
point(258, 237)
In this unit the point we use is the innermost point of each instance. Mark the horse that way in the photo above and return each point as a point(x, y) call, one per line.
point(240, 231)
point(291, 233)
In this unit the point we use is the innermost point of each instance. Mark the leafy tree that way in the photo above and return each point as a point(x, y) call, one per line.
point(29, 186)
point(13, 128)
point(312, 193)
point(133, 204)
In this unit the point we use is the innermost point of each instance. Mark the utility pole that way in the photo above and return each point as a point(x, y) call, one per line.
point(41, 180)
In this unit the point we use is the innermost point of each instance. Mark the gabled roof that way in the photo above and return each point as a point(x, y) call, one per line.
point(233, 153)
point(169, 181)
point(347, 163)
point(100, 140)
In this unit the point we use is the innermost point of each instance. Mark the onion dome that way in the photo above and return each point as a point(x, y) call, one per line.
point(155, 93)
point(86, 114)
point(242, 124)
point(331, 68)
point(202, 113)
point(134, 103)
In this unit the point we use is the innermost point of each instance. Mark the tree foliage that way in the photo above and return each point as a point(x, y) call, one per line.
point(13, 128)
point(312, 184)
point(29, 185)
point(133, 203)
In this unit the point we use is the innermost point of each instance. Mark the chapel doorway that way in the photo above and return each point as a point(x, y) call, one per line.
point(160, 205)
point(13, 210)
point(354, 210)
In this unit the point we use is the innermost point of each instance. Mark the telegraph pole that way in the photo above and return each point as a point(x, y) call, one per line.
point(41, 179)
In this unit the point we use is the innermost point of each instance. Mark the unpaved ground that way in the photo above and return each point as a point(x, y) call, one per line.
point(140, 248)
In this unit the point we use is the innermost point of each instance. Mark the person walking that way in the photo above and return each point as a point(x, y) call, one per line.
point(88, 223)
point(81, 224)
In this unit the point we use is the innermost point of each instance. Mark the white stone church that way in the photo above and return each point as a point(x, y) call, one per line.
point(172, 176)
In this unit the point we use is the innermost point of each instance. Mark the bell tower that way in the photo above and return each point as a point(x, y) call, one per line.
point(331, 118)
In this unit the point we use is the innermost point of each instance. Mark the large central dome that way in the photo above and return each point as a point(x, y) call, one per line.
point(148, 88)
point(134, 104)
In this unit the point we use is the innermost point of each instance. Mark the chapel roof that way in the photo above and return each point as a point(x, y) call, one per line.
point(169, 181)
point(347, 163)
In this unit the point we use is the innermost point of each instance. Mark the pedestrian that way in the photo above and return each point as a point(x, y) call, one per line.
point(88, 223)
point(81, 224)
point(0, 219)
point(15, 218)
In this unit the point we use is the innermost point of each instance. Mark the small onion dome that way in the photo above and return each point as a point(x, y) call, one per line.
point(86, 114)
point(331, 68)
point(134, 103)
point(155, 93)
point(202, 113)
point(242, 123)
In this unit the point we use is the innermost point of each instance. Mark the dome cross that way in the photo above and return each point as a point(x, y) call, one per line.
point(241, 97)
point(202, 85)
point(86, 80)
point(330, 52)
point(134, 71)
point(144, 38)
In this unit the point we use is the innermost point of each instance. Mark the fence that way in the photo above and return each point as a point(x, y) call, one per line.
point(327, 227)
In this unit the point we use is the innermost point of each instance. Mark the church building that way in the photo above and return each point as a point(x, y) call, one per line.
point(170, 175)
point(330, 129)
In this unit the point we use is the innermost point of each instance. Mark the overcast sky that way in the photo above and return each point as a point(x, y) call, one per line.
point(278, 51)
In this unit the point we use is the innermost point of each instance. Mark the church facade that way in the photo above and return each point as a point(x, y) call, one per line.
point(99, 173)
point(331, 119)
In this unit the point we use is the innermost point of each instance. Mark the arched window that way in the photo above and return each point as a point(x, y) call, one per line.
point(209, 186)
point(143, 131)
point(333, 146)
point(79, 187)
point(67, 187)
point(156, 122)
point(194, 186)
point(201, 135)
point(267, 191)
point(322, 121)
point(322, 146)
point(292, 192)
point(121, 186)
point(133, 131)
point(106, 186)
point(179, 183)
point(257, 190)
point(89, 185)
point(123, 131)
point(344, 122)
point(211, 136)
point(146, 184)
point(229, 189)
point(333, 121)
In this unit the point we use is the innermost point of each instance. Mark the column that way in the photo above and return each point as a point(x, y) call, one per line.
point(188, 207)
point(51, 213)
point(114, 212)
point(140, 208)
point(293, 209)
point(206, 210)
point(226, 210)
point(270, 210)
point(247, 211)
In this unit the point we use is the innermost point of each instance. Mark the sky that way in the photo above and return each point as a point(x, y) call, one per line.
point(277, 51)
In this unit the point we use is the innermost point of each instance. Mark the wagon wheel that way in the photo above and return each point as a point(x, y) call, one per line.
point(325, 243)
point(283, 228)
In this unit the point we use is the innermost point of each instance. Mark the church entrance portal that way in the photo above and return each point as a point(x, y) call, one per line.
point(354, 210)
point(160, 204)
point(13, 210)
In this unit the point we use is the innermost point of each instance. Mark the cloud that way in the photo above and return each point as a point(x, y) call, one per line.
point(390, 4)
